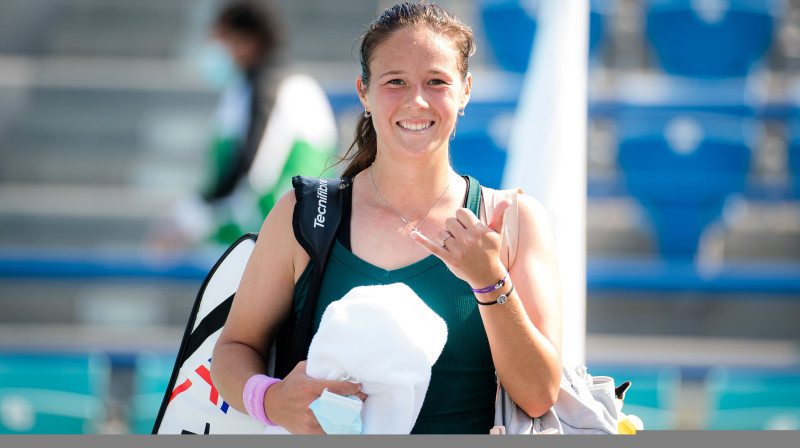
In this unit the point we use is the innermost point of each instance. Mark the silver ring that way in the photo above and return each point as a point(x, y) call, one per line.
point(445, 238)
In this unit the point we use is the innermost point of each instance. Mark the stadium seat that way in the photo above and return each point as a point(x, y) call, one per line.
point(652, 395)
point(752, 399)
point(598, 10)
point(476, 149)
point(709, 38)
point(682, 167)
point(53, 394)
point(510, 27)
point(151, 378)
point(794, 157)
point(476, 154)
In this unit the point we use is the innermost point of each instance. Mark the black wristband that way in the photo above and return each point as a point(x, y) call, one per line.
point(501, 299)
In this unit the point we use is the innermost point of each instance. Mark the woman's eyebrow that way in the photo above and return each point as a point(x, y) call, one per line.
point(391, 72)
point(435, 71)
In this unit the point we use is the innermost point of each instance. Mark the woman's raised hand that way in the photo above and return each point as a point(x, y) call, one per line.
point(469, 248)
point(286, 403)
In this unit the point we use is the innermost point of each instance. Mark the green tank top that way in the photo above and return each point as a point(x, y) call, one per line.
point(462, 389)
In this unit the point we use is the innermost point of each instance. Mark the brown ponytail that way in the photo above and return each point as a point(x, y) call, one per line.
point(366, 144)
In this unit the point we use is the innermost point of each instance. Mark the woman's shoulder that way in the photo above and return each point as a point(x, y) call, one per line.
point(531, 206)
point(535, 230)
point(278, 223)
point(314, 206)
point(277, 236)
point(285, 204)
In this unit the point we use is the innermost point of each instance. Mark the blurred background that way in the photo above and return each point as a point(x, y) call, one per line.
point(693, 212)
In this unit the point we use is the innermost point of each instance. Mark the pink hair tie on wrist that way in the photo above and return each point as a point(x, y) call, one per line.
point(253, 396)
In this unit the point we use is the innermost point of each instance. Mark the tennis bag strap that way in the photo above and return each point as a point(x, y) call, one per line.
point(316, 219)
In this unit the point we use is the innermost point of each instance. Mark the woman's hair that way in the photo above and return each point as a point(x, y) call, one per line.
point(400, 16)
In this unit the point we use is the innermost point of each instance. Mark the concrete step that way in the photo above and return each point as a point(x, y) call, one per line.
point(691, 352)
point(642, 314)
point(90, 135)
point(100, 27)
point(80, 216)
point(97, 118)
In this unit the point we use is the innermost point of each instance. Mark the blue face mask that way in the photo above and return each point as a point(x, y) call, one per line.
point(217, 65)
point(338, 414)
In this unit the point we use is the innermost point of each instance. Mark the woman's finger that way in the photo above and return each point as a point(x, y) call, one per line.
point(430, 246)
point(343, 388)
point(444, 235)
point(454, 227)
point(467, 218)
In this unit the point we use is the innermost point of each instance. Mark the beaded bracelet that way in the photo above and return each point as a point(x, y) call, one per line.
point(494, 287)
point(253, 396)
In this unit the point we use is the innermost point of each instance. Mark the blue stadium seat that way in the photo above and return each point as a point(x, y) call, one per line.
point(474, 151)
point(682, 167)
point(511, 25)
point(752, 399)
point(597, 24)
point(510, 29)
point(709, 38)
point(53, 394)
point(151, 378)
point(794, 157)
point(652, 395)
point(476, 154)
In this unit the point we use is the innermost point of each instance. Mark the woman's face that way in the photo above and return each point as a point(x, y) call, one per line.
point(415, 91)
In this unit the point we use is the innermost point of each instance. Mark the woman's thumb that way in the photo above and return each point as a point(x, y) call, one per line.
point(499, 216)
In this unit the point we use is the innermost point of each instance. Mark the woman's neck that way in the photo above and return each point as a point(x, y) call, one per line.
point(410, 185)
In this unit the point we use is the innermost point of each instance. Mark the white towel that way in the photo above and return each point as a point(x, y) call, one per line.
point(387, 339)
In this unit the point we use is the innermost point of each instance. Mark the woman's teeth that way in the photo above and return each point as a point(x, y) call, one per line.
point(415, 126)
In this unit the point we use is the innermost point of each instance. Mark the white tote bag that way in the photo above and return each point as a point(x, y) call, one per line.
point(585, 405)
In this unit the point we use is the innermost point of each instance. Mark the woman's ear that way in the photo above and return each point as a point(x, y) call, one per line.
point(467, 90)
point(362, 93)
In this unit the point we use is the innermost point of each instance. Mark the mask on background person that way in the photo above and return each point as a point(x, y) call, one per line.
point(217, 65)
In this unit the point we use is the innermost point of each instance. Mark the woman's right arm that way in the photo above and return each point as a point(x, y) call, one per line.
point(263, 301)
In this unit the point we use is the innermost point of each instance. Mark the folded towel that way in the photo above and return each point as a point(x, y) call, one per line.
point(386, 338)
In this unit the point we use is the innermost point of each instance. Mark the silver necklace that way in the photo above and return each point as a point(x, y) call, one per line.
point(405, 221)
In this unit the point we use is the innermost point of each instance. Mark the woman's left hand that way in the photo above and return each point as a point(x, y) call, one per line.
point(470, 248)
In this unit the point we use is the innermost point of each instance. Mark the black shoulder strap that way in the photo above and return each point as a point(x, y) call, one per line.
point(316, 218)
point(317, 214)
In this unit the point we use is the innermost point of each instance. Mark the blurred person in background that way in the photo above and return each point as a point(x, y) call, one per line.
point(268, 126)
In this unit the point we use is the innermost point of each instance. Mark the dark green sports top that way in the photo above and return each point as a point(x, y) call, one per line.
point(461, 393)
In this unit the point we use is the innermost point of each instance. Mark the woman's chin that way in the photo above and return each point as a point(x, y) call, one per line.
point(422, 151)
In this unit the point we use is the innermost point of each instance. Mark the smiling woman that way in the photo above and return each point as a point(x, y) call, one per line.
point(408, 217)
